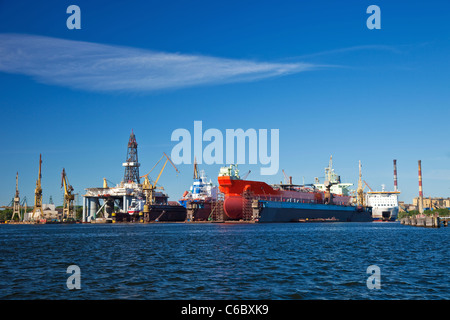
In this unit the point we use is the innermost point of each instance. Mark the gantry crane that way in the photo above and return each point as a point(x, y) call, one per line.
point(68, 197)
point(37, 209)
point(16, 202)
point(149, 188)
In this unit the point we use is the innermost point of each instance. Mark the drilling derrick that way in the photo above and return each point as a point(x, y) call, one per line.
point(16, 204)
point(68, 197)
point(37, 209)
point(132, 164)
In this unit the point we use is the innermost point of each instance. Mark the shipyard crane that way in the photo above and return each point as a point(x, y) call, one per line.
point(286, 178)
point(16, 202)
point(195, 168)
point(149, 188)
point(360, 201)
point(68, 196)
point(37, 209)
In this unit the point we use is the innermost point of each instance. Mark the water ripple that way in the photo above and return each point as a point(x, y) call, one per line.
point(213, 261)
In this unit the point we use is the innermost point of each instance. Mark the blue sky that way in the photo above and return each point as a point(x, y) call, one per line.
point(311, 69)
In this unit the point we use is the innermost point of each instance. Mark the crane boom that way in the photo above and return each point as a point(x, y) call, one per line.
point(286, 179)
point(367, 185)
point(149, 188)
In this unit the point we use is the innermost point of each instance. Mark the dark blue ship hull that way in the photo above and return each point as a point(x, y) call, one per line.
point(276, 211)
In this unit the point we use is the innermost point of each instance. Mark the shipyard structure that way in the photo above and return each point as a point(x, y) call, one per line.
point(131, 200)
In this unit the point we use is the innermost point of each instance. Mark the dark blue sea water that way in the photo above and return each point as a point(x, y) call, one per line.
point(221, 261)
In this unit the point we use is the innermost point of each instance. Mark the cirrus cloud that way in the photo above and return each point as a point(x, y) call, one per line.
point(99, 67)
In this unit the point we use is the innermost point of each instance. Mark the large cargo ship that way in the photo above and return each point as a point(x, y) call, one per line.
point(257, 201)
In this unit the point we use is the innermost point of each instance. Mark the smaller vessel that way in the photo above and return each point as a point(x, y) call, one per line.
point(137, 204)
point(384, 204)
point(200, 198)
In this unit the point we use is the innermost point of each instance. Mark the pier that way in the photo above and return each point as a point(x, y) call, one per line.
point(425, 221)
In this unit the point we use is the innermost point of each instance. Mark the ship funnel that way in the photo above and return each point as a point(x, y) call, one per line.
point(395, 176)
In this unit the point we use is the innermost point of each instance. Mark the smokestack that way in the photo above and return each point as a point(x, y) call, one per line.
point(420, 188)
point(395, 176)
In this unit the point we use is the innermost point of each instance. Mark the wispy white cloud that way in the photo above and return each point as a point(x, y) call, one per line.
point(387, 48)
point(99, 67)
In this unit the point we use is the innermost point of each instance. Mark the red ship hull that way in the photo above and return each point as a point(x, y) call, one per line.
point(238, 192)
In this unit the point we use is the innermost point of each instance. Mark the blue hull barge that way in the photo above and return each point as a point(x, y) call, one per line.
point(277, 211)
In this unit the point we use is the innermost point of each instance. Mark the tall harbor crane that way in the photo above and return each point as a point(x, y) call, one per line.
point(360, 201)
point(149, 188)
point(16, 202)
point(37, 209)
point(68, 197)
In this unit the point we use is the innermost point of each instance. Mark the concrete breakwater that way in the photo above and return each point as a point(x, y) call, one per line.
point(425, 221)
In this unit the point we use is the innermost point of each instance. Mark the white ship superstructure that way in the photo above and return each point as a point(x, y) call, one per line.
point(384, 204)
point(202, 189)
point(337, 187)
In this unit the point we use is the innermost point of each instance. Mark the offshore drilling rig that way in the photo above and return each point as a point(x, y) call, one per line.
point(128, 200)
